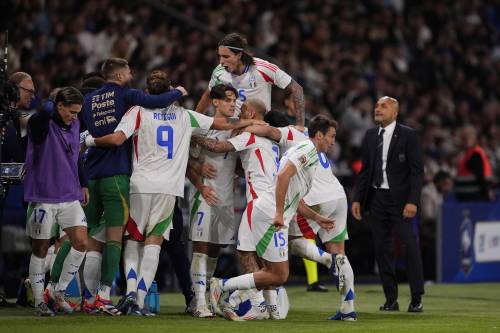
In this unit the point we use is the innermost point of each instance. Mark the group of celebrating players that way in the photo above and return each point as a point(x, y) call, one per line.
point(130, 189)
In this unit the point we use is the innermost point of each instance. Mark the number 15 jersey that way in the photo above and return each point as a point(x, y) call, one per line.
point(160, 150)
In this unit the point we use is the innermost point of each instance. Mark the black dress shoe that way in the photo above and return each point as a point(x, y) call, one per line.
point(316, 286)
point(416, 307)
point(390, 306)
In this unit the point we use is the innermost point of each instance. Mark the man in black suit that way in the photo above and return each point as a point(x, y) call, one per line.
point(388, 193)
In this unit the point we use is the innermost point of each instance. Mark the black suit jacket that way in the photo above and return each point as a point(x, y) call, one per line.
point(404, 169)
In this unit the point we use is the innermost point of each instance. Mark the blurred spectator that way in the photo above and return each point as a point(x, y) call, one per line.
point(474, 174)
point(433, 195)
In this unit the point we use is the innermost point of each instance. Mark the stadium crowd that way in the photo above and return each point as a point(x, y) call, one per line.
point(441, 61)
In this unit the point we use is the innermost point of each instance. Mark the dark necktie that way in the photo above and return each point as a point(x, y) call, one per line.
point(379, 175)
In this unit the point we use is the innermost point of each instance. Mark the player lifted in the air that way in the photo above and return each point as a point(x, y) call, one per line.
point(252, 77)
point(161, 139)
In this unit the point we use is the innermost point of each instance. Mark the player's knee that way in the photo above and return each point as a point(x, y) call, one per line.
point(281, 277)
point(80, 244)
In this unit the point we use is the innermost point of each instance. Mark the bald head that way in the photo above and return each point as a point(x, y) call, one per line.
point(253, 108)
point(386, 110)
point(26, 89)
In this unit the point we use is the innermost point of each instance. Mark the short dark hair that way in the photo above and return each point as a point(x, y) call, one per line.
point(440, 176)
point(236, 43)
point(111, 65)
point(90, 82)
point(276, 119)
point(219, 91)
point(68, 96)
point(158, 82)
point(320, 123)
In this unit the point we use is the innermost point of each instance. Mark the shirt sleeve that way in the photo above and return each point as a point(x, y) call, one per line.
point(199, 122)
point(215, 78)
point(273, 73)
point(38, 123)
point(130, 121)
point(243, 141)
point(303, 156)
point(138, 97)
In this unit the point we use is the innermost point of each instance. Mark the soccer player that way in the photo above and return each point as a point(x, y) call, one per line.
point(259, 158)
point(327, 197)
point(161, 139)
point(252, 77)
point(212, 223)
point(109, 173)
point(265, 218)
point(54, 187)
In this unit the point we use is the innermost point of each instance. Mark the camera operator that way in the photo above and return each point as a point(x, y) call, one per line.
point(13, 147)
point(12, 150)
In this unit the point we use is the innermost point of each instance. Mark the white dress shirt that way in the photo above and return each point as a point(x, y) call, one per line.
point(389, 130)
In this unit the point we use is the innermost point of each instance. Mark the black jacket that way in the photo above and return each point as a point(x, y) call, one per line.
point(405, 169)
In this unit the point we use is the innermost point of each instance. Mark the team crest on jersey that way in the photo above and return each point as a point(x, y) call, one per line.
point(303, 159)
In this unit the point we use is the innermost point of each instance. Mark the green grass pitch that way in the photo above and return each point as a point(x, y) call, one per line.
point(453, 308)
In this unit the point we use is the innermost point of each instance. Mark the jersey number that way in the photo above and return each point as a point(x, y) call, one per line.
point(241, 95)
point(279, 239)
point(200, 217)
point(165, 138)
point(41, 215)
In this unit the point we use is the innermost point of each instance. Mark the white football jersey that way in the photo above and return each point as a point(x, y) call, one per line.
point(161, 146)
point(326, 187)
point(305, 159)
point(259, 158)
point(225, 164)
point(255, 82)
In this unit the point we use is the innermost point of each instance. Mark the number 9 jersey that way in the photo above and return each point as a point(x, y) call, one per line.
point(160, 150)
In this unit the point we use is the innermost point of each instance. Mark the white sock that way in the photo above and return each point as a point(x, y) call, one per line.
point(199, 277)
point(271, 297)
point(49, 259)
point(245, 281)
point(256, 297)
point(70, 268)
point(92, 272)
point(303, 248)
point(211, 266)
point(131, 263)
point(104, 292)
point(37, 277)
point(147, 271)
point(347, 293)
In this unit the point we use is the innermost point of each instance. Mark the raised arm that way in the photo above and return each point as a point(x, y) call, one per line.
point(299, 101)
point(204, 102)
point(222, 123)
point(265, 131)
point(110, 140)
point(138, 97)
point(213, 145)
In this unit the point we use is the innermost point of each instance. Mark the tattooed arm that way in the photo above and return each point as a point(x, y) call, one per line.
point(299, 101)
point(213, 144)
